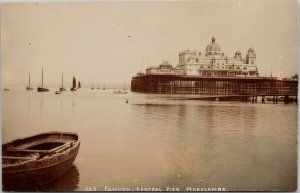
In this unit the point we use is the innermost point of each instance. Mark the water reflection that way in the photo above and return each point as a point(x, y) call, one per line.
point(28, 102)
point(196, 140)
point(41, 104)
point(157, 141)
point(181, 115)
point(67, 182)
point(250, 117)
point(61, 104)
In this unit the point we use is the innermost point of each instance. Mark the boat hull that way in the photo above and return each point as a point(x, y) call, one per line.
point(40, 171)
point(41, 89)
point(120, 92)
point(29, 88)
point(38, 176)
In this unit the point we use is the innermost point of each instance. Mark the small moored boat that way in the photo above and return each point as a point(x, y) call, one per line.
point(42, 88)
point(62, 84)
point(74, 84)
point(79, 85)
point(120, 92)
point(38, 159)
point(29, 87)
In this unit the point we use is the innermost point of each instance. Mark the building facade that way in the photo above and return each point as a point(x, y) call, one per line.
point(212, 63)
point(165, 68)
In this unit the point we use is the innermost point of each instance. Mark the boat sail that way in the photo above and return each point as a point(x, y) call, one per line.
point(42, 88)
point(29, 87)
point(79, 85)
point(62, 83)
point(74, 84)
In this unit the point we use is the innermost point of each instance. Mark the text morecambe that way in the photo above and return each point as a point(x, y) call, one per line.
point(213, 63)
point(202, 189)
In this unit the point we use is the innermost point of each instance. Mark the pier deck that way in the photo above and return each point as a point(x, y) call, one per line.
point(218, 86)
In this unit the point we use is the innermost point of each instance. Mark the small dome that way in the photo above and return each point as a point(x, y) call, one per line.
point(213, 46)
point(251, 50)
point(237, 53)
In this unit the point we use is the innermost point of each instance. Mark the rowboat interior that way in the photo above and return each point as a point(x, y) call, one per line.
point(37, 147)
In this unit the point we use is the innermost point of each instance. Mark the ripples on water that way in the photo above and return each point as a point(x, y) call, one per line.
point(67, 182)
point(157, 141)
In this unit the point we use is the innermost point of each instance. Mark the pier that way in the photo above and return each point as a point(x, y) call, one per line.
point(216, 87)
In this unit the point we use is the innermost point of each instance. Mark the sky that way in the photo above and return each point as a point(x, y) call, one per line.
point(109, 42)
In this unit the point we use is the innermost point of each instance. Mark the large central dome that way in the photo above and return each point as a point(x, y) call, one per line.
point(213, 48)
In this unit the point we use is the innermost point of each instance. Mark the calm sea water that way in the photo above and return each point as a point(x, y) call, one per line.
point(157, 141)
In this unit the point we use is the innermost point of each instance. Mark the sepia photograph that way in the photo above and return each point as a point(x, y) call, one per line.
point(141, 96)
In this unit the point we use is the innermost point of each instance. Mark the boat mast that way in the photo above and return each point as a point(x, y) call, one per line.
point(62, 80)
point(42, 77)
point(29, 80)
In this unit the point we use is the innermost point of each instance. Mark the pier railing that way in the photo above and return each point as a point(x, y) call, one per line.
point(258, 86)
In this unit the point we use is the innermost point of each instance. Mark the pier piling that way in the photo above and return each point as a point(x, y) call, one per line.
point(243, 88)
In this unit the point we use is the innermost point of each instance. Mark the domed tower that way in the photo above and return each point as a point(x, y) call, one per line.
point(213, 49)
point(238, 55)
point(251, 56)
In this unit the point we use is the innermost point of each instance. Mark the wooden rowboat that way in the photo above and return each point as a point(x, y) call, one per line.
point(38, 159)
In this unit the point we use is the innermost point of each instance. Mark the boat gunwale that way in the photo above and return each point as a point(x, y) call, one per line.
point(75, 148)
point(53, 156)
point(41, 134)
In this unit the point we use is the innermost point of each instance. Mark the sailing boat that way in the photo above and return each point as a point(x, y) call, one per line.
point(121, 91)
point(62, 83)
point(92, 86)
point(79, 85)
point(42, 88)
point(61, 89)
point(104, 86)
point(29, 87)
point(74, 84)
point(58, 92)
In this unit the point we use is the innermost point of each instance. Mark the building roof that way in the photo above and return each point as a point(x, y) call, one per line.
point(165, 63)
point(213, 46)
